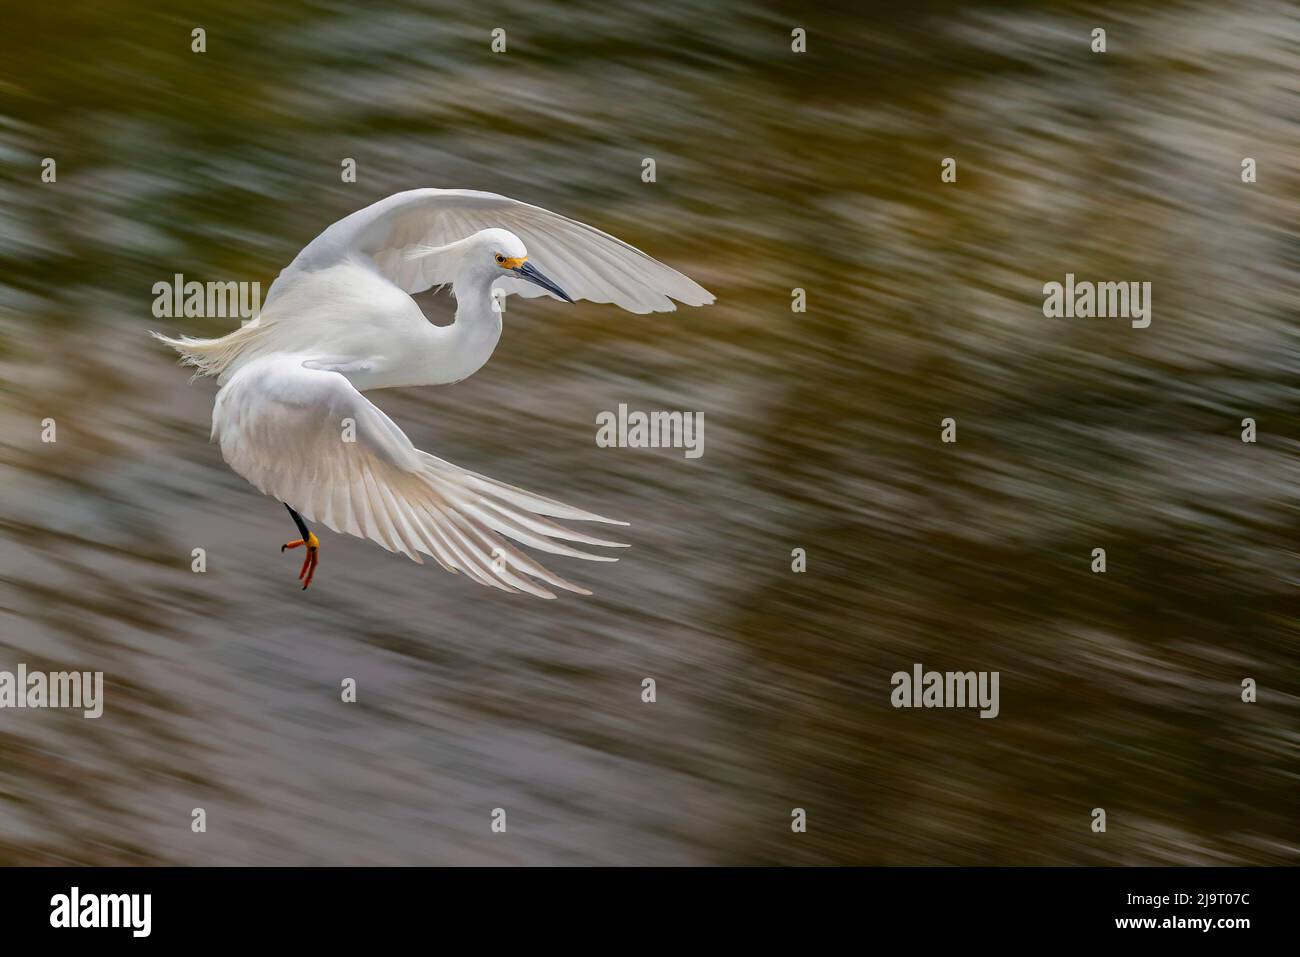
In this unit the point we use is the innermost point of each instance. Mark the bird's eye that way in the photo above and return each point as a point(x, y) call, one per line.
point(500, 258)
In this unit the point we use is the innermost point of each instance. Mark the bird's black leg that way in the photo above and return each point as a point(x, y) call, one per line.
point(297, 520)
point(312, 544)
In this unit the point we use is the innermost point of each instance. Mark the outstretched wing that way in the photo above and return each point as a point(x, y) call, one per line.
point(586, 262)
point(284, 427)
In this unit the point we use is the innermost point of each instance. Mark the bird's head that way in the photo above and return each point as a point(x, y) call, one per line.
point(510, 256)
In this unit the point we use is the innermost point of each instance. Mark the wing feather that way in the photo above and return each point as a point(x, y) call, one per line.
point(280, 426)
point(586, 262)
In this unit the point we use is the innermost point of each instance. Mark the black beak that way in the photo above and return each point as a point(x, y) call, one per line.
point(533, 274)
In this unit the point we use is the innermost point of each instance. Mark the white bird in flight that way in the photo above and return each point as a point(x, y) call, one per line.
point(340, 321)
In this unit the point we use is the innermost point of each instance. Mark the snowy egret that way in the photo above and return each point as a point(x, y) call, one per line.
point(340, 320)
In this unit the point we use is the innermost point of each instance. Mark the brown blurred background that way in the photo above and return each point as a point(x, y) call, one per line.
point(775, 170)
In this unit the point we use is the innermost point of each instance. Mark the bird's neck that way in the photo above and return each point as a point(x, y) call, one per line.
point(462, 348)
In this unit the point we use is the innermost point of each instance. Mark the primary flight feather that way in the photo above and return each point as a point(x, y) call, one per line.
point(290, 416)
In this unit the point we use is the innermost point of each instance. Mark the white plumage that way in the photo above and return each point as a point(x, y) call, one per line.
point(340, 320)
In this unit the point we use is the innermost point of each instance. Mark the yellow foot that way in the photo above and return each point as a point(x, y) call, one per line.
point(309, 563)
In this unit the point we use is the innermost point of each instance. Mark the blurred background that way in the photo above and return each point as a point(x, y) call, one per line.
point(775, 170)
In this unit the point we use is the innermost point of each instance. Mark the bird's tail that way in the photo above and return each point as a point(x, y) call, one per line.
point(213, 356)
